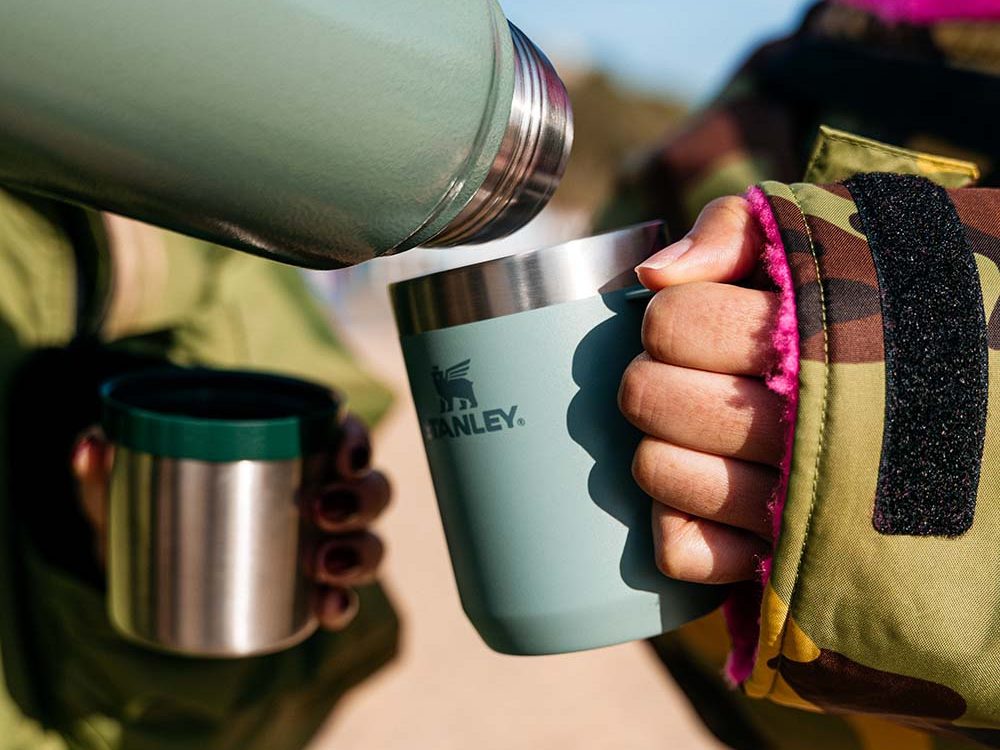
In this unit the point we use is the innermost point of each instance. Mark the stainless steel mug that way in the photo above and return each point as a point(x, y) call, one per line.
point(205, 536)
point(514, 365)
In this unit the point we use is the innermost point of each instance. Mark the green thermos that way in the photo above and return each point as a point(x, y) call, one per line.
point(317, 132)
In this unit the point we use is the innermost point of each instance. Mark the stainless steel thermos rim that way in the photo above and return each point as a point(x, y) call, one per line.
point(532, 155)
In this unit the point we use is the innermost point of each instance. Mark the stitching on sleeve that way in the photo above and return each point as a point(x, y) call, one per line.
point(820, 441)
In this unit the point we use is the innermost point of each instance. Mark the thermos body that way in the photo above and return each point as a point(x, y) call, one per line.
point(318, 132)
point(514, 365)
point(206, 541)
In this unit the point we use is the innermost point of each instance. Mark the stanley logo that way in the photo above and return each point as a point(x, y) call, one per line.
point(454, 388)
point(452, 385)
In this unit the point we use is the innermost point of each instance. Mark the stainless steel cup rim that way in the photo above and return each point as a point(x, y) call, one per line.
point(525, 281)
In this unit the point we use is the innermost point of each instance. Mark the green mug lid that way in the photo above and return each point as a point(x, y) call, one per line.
point(218, 415)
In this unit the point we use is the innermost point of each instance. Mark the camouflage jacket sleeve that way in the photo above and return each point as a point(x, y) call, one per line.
point(855, 622)
point(882, 595)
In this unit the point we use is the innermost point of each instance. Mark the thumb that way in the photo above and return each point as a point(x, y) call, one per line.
point(91, 464)
point(723, 245)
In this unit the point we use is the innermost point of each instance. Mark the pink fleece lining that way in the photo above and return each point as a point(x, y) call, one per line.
point(742, 608)
point(928, 11)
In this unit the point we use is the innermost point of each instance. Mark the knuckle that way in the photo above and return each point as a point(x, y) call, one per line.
point(640, 467)
point(664, 558)
point(728, 213)
point(382, 493)
point(732, 206)
point(667, 552)
point(376, 549)
point(633, 391)
point(646, 468)
point(675, 554)
point(659, 324)
point(671, 561)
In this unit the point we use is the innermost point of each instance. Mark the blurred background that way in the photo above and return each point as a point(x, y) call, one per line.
point(633, 69)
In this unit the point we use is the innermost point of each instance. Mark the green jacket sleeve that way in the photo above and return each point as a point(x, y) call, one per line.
point(227, 309)
point(68, 680)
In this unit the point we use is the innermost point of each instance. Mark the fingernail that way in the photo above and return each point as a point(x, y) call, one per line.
point(660, 260)
point(335, 602)
point(340, 560)
point(361, 456)
point(339, 505)
point(82, 452)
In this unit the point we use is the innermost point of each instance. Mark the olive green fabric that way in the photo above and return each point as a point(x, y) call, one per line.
point(694, 658)
point(854, 619)
point(838, 155)
point(68, 680)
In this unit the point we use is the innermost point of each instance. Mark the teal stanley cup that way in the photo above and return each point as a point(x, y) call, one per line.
point(514, 365)
point(317, 132)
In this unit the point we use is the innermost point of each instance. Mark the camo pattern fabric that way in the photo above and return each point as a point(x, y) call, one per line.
point(853, 620)
point(755, 131)
point(853, 625)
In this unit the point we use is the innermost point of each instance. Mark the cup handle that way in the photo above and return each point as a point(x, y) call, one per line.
point(638, 293)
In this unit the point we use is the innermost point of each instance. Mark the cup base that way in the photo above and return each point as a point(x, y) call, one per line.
point(219, 652)
point(599, 627)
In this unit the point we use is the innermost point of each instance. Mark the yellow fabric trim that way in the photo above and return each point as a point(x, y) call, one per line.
point(773, 616)
point(879, 734)
point(798, 645)
point(783, 694)
point(838, 155)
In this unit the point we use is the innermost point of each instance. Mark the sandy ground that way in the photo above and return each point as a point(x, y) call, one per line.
point(447, 690)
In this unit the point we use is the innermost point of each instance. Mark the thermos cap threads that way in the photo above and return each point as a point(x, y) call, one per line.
point(532, 156)
point(219, 416)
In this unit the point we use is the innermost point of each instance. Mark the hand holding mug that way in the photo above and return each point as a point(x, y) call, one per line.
point(347, 498)
point(714, 435)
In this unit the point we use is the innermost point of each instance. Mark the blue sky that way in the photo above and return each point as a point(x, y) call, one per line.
point(682, 47)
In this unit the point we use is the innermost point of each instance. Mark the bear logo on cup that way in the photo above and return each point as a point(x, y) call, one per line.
point(451, 384)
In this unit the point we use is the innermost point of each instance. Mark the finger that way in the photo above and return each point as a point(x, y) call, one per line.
point(725, 490)
point(91, 460)
point(353, 453)
point(349, 505)
point(723, 245)
point(335, 607)
point(694, 549)
point(709, 412)
point(709, 326)
point(347, 560)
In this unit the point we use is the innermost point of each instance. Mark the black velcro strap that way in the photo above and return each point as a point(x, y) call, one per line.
point(936, 357)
